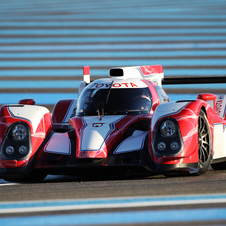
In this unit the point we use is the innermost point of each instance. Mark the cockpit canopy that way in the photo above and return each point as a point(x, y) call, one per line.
point(117, 101)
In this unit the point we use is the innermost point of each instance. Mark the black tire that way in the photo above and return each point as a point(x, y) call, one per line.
point(33, 177)
point(177, 174)
point(205, 146)
point(219, 166)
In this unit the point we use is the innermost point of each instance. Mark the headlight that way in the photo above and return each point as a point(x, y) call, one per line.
point(9, 150)
point(174, 146)
point(19, 132)
point(23, 149)
point(161, 146)
point(168, 128)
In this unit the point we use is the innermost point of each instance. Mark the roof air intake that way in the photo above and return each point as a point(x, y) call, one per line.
point(116, 72)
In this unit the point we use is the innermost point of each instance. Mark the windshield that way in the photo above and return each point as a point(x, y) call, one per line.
point(114, 101)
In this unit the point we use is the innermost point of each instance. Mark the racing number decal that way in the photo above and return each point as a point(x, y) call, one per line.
point(98, 124)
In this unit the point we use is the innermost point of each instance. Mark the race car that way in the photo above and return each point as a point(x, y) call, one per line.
point(121, 124)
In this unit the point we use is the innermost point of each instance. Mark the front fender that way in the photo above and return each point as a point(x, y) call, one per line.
point(36, 119)
point(185, 115)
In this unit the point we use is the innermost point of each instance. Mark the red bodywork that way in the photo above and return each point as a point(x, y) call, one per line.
point(37, 137)
point(143, 127)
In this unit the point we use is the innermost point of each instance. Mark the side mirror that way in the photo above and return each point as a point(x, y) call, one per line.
point(27, 101)
point(154, 106)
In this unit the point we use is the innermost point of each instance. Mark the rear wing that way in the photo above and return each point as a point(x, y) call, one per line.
point(194, 80)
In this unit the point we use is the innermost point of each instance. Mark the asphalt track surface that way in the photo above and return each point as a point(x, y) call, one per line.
point(156, 200)
point(72, 187)
point(43, 47)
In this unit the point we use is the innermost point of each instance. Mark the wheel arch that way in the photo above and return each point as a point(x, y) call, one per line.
point(204, 110)
point(203, 165)
point(207, 113)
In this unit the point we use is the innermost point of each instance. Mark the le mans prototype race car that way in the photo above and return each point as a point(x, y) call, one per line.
point(121, 124)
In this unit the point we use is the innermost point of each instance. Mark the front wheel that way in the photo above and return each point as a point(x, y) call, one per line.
point(204, 139)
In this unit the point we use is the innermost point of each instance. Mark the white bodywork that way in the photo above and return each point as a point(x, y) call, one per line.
point(132, 143)
point(31, 113)
point(152, 73)
point(166, 109)
point(220, 105)
point(59, 143)
point(95, 132)
point(219, 141)
point(219, 133)
point(118, 83)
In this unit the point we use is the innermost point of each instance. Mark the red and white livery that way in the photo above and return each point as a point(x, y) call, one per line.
point(119, 124)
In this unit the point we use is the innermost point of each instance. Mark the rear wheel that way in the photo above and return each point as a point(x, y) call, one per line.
point(204, 139)
point(219, 166)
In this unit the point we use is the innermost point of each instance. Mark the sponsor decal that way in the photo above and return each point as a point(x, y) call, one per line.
point(115, 85)
point(97, 124)
point(219, 106)
point(150, 70)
